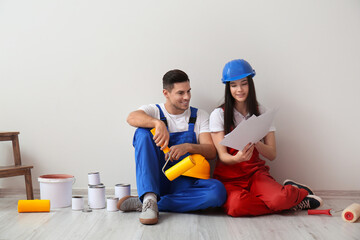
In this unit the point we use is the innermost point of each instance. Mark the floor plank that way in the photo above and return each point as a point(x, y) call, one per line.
point(211, 224)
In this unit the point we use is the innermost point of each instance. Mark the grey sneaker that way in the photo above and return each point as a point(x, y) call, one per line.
point(150, 213)
point(298, 185)
point(129, 203)
point(309, 202)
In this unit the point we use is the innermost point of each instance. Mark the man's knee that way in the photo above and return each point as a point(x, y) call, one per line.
point(216, 193)
point(143, 132)
point(142, 135)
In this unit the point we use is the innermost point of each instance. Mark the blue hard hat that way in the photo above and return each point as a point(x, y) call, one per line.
point(237, 69)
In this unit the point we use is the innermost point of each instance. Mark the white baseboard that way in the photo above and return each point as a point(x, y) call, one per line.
point(6, 192)
point(338, 193)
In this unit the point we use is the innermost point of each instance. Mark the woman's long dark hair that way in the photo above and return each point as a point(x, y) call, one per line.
point(229, 104)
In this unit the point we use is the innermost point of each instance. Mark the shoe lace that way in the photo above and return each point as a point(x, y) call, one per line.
point(304, 204)
point(148, 204)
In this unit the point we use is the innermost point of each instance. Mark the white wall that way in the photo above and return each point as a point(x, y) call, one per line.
point(71, 71)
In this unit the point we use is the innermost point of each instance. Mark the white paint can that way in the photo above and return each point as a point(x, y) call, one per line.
point(57, 188)
point(96, 198)
point(111, 204)
point(77, 203)
point(94, 178)
point(122, 190)
point(89, 197)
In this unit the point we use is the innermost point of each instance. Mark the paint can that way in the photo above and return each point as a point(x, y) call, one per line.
point(111, 204)
point(89, 197)
point(57, 188)
point(122, 190)
point(96, 196)
point(94, 178)
point(77, 203)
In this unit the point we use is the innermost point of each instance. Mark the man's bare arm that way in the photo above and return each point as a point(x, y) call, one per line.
point(139, 118)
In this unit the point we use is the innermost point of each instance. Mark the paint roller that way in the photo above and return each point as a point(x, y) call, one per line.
point(34, 205)
point(179, 168)
point(349, 214)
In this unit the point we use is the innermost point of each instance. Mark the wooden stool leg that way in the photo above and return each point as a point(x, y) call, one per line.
point(16, 150)
point(29, 187)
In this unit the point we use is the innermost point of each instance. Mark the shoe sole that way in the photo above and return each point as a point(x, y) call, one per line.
point(151, 221)
point(307, 188)
point(121, 201)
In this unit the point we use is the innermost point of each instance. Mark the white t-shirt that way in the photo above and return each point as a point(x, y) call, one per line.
point(180, 122)
point(217, 119)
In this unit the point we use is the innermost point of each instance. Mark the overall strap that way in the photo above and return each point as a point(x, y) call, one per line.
point(162, 116)
point(192, 119)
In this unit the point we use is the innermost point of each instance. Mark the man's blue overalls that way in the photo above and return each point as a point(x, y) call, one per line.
point(183, 194)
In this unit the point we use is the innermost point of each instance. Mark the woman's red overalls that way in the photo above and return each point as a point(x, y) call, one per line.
point(251, 191)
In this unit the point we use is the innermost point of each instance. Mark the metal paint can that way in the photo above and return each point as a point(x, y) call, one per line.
point(96, 196)
point(122, 190)
point(77, 203)
point(94, 178)
point(89, 197)
point(111, 204)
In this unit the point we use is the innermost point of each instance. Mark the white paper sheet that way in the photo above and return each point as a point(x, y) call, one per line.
point(251, 130)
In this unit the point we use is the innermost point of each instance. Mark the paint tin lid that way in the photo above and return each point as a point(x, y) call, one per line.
point(122, 185)
point(93, 173)
point(101, 184)
point(113, 198)
point(97, 186)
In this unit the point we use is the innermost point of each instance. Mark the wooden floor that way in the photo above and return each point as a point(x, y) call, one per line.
point(100, 224)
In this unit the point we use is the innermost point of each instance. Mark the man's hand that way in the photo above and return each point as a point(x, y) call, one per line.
point(177, 151)
point(161, 137)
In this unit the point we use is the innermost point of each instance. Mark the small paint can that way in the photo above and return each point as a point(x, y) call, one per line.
point(96, 198)
point(89, 196)
point(111, 204)
point(77, 203)
point(94, 178)
point(122, 190)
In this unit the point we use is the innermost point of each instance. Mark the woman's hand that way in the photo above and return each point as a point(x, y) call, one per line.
point(267, 148)
point(245, 154)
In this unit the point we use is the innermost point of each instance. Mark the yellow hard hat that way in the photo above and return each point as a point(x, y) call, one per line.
point(201, 168)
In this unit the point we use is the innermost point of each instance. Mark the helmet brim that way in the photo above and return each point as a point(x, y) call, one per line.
point(252, 74)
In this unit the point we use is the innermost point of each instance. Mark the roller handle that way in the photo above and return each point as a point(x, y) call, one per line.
point(165, 150)
point(316, 212)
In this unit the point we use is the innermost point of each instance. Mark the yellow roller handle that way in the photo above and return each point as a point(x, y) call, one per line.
point(165, 150)
point(33, 206)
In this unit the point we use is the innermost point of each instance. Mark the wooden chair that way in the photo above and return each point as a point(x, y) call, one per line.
point(17, 169)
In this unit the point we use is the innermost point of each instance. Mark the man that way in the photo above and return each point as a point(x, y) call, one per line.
point(185, 130)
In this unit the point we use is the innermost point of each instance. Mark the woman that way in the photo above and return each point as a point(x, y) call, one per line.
point(250, 188)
